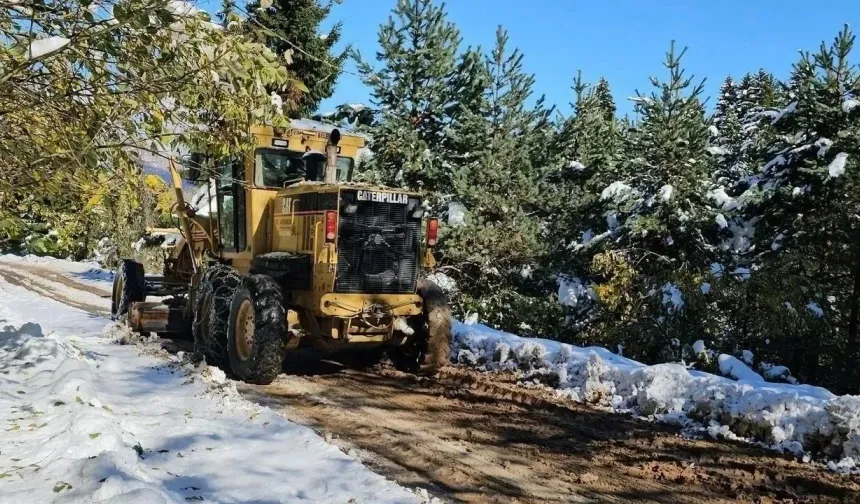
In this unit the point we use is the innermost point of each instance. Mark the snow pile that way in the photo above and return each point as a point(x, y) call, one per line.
point(665, 192)
point(788, 417)
point(86, 420)
point(576, 166)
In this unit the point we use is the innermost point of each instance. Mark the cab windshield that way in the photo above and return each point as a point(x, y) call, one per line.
point(277, 167)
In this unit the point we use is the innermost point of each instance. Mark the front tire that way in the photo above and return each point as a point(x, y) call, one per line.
point(212, 313)
point(257, 335)
point(428, 349)
point(128, 287)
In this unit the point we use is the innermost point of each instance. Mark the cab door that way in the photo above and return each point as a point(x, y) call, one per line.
point(231, 193)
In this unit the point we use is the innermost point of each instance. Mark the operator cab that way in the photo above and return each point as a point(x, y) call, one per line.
point(276, 168)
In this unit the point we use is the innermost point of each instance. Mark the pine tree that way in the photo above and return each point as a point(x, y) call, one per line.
point(291, 29)
point(727, 137)
point(604, 98)
point(416, 90)
point(807, 200)
point(652, 231)
point(497, 251)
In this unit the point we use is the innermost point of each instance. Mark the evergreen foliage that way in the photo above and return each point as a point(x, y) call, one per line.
point(291, 29)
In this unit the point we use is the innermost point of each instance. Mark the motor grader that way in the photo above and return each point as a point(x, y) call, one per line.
point(285, 250)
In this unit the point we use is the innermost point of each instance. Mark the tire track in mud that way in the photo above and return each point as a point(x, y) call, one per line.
point(472, 437)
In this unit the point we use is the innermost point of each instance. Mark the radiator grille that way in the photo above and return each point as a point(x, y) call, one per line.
point(378, 247)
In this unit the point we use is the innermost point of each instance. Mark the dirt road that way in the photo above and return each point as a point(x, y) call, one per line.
point(469, 437)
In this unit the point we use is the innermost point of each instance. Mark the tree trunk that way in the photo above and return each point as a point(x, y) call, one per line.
point(850, 353)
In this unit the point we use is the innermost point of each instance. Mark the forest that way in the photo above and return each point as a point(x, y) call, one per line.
point(693, 226)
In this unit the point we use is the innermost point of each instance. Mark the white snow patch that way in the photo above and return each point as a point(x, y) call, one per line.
point(705, 288)
point(722, 199)
point(699, 347)
point(665, 192)
point(782, 113)
point(616, 191)
point(716, 150)
point(823, 145)
point(456, 214)
point(41, 47)
point(573, 292)
point(576, 166)
point(747, 357)
point(850, 104)
point(721, 221)
point(815, 309)
point(672, 297)
point(733, 368)
point(713, 130)
point(445, 282)
point(837, 167)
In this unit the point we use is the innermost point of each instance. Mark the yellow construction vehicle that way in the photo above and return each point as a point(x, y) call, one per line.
point(284, 249)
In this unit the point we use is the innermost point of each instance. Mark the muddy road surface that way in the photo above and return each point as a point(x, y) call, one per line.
point(478, 438)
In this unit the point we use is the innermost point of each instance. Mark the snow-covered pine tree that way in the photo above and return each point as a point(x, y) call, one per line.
point(808, 200)
point(415, 88)
point(727, 140)
point(656, 223)
point(493, 233)
point(291, 29)
point(586, 158)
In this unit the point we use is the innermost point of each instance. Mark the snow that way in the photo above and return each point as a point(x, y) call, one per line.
point(576, 165)
point(573, 292)
point(616, 191)
point(277, 102)
point(785, 416)
point(93, 421)
point(721, 221)
point(722, 199)
point(456, 214)
point(823, 145)
point(713, 130)
point(782, 113)
point(446, 283)
point(815, 309)
point(850, 104)
point(665, 192)
point(705, 288)
point(41, 47)
point(672, 297)
point(699, 347)
point(747, 357)
point(718, 151)
point(837, 167)
point(741, 273)
point(734, 368)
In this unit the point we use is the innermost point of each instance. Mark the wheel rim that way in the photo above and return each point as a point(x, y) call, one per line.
point(244, 339)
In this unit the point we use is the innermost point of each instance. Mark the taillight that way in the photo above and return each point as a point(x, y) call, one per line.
point(432, 232)
point(330, 225)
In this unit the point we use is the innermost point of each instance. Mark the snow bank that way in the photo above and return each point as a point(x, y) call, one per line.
point(785, 416)
point(87, 420)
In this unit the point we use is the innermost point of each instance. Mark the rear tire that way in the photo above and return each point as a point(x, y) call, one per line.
point(428, 349)
point(257, 334)
point(212, 313)
point(128, 287)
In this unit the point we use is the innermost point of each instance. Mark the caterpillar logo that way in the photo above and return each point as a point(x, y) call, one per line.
point(383, 197)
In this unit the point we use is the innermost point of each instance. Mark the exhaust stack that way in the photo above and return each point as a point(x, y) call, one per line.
point(331, 157)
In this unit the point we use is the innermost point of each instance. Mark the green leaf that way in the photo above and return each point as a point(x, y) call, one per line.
point(95, 435)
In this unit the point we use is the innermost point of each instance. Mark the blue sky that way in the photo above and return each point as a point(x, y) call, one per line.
point(623, 40)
